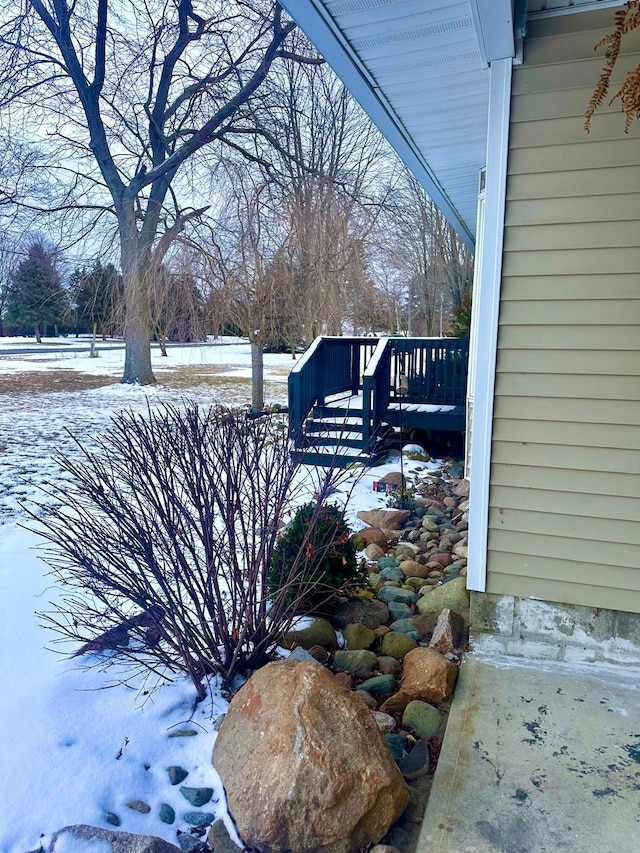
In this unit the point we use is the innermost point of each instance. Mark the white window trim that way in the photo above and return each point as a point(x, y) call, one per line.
point(486, 304)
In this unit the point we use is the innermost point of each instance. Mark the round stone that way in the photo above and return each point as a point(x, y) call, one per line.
point(167, 814)
point(396, 645)
point(358, 636)
point(422, 718)
point(379, 685)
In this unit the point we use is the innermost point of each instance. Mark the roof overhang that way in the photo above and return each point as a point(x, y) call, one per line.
point(419, 69)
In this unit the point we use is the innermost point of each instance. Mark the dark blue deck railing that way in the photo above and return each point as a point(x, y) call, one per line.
point(329, 367)
point(414, 370)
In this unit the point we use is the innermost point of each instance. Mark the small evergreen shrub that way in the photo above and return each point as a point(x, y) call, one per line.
point(329, 564)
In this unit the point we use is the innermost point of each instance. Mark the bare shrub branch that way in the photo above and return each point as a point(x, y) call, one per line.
point(163, 542)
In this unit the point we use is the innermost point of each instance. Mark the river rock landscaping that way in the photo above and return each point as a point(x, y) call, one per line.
point(394, 653)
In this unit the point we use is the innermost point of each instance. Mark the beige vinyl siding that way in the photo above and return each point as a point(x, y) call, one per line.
point(564, 518)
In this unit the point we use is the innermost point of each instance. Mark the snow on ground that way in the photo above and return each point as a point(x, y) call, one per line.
point(77, 743)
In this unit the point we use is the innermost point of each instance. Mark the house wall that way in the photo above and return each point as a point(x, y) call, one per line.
point(565, 475)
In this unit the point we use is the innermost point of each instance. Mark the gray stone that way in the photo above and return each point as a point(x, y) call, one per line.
point(403, 626)
point(388, 563)
point(416, 763)
point(198, 818)
point(219, 839)
point(318, 633)
point(452, 595)
point(423, 719)
point(112, 819)
point(388, 665)
point(183, 733)
point(301, 654)
point(196, 796)
point(189, 842)
point(385, 722)
point(392, 574)
point(400, 839)
point(84, 839)
point(397, 610)
point(360, 662)
point(379, 684)
point(139, 806)
point(396, 744)
point(369, 613)
point(384, 848)
point(177, 774)
point(391, 593)
point(167, 814)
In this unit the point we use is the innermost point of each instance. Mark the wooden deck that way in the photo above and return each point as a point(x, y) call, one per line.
point(345, 393)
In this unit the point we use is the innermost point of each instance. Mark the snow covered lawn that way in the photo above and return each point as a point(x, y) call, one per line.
point(78, 744)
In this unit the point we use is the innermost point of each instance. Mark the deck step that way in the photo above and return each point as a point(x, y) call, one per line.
point(337, 412)
point(339, 426)
point(334, 441)
point(330, 457)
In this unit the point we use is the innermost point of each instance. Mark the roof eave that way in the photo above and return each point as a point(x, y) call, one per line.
point(331, 43)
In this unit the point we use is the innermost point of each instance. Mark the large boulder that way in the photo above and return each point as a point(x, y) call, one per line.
point(370, 536)
point(427, 675)
point(90, 839)
point(387, 519)
point(304, 764)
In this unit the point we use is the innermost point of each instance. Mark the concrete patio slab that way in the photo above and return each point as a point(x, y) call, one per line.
point(538, 758)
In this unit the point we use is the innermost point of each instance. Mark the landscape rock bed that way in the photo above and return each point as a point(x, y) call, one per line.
point(401, 640)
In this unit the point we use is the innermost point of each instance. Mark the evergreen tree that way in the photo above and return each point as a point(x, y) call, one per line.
point(36, 298)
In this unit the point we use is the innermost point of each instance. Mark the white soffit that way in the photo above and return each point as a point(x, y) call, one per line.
point(418, 69)
point(556, 7)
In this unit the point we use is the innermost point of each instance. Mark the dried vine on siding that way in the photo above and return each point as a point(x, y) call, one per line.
point(626, 19)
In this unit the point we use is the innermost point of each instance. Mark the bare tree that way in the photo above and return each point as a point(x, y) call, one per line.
point(129, 93)
point(177, 310)
point(428, 255)
point(244, 262)
point(324, 174)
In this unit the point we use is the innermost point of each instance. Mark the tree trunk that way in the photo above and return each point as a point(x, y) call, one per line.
point(257, 377)
point(162, 340)
point(38, 337)
point(137, 324)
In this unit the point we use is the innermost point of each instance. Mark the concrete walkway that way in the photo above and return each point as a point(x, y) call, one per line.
point(538, 758)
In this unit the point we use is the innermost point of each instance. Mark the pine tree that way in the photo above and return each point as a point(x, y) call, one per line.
point(36, 298)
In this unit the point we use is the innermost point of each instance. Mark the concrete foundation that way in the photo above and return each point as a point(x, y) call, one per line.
point(531, 629)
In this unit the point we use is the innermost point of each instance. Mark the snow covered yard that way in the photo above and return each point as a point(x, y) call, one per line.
point(81, 746)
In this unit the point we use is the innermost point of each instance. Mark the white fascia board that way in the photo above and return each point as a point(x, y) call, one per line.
point(317, 24)
point(487, 304)
point(493, 21)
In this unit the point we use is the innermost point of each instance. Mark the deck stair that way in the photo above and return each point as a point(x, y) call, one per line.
point(345, 391)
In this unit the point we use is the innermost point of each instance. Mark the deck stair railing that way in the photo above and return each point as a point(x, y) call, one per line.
point(331, 366)
point(403, 382)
